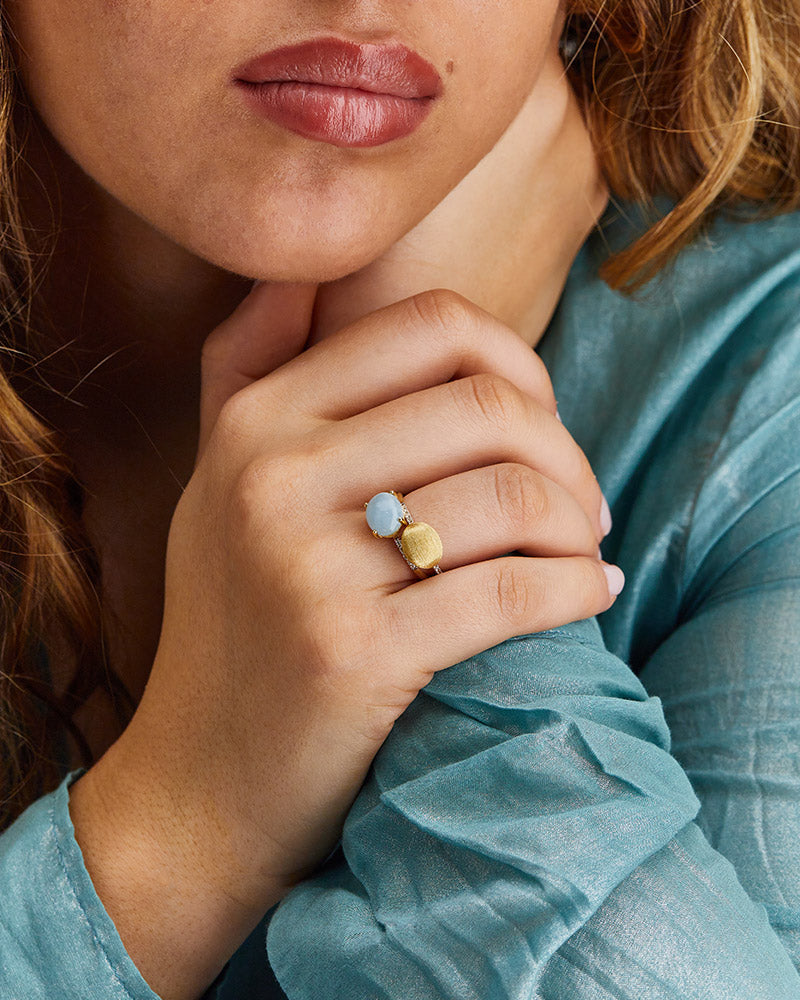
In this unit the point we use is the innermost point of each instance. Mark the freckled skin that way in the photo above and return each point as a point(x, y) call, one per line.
point(140, 95)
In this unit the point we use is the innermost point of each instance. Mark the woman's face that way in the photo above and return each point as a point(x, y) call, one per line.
point(142, 94)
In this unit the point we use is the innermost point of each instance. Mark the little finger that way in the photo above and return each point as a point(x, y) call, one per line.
point(452, 616)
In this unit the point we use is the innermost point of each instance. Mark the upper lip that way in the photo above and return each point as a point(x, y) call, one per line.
point(380, 69)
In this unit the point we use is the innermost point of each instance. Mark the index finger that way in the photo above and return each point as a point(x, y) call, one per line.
point(422, 341)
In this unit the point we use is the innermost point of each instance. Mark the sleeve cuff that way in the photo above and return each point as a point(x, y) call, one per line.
point(56, 938)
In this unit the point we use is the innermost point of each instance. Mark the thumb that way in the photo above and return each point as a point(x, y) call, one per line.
point(269, 327)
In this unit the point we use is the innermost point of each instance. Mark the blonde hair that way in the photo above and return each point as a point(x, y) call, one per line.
point(699, 101)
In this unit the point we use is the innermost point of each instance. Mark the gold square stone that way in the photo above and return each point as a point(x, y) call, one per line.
point(421, 545)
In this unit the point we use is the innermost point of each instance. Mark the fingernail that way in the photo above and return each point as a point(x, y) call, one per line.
point(615, 577)
point(605, 517)
point(599, 553)
point(558, 415)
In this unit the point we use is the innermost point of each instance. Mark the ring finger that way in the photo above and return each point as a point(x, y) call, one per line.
point(487, 512)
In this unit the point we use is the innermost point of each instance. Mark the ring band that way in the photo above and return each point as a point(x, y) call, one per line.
point(419, 543)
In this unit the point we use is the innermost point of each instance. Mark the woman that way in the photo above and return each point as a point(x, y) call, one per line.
point(524, 830)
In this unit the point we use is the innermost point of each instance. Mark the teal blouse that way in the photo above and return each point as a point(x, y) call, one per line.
point(607, 809)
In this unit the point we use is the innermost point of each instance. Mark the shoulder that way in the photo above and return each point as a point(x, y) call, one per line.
point(722, 321)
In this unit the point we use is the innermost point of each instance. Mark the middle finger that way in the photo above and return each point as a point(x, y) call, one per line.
point(477, 421)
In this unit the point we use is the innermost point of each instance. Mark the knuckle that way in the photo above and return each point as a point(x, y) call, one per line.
point(234, 417)
point(339, 651)
point(444, 310)
point(517, 595)
point(493, 396)
point(265, 482)
point(250, 487)
point(520, 495)
point(284, 482)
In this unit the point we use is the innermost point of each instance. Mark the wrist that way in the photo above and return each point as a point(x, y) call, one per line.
point(181, 901)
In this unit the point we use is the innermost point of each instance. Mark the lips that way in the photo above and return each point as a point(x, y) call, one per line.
point(339, 92)
point(393, 70)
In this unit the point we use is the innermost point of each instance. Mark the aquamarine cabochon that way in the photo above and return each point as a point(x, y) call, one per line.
point(385, 514)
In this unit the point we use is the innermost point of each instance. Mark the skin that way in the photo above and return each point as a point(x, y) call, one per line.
point(173, 199)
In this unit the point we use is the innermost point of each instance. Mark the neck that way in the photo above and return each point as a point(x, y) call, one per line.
point(507, 235)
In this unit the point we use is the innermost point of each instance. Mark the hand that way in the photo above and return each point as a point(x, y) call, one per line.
point(292, 639)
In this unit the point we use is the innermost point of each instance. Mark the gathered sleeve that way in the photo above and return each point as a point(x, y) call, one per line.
point(525, 825)
point(729, 676)
point(692, 920)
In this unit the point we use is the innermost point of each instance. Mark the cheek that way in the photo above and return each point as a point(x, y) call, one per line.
point(500, 54)
point(105, 76)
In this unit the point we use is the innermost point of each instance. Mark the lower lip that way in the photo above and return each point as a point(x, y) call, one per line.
point(338, 115)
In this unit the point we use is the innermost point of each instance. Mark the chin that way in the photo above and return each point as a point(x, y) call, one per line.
point(298, 247)
point(296, 263)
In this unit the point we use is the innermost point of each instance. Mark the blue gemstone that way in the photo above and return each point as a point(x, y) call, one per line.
point(384, 514)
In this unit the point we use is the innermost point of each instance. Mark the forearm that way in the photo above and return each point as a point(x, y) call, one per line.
point(499, 820)
point(680, 926)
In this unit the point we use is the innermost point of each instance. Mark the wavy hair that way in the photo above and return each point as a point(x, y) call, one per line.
point(51, 645)
point(694, 99)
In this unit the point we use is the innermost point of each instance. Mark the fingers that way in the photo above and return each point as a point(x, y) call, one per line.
point(485, 513)
point(410, 345)
point(268, 327)
point(414, 393)
point(447, 618)
point(439, 432)
point(423, 389)
point(482, 514)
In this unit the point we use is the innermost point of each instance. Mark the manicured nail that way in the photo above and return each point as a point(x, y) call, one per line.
point(605, 517)
point(615, 577)
point(558, 415)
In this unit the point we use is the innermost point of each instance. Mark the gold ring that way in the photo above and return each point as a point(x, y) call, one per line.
point(419, 544)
